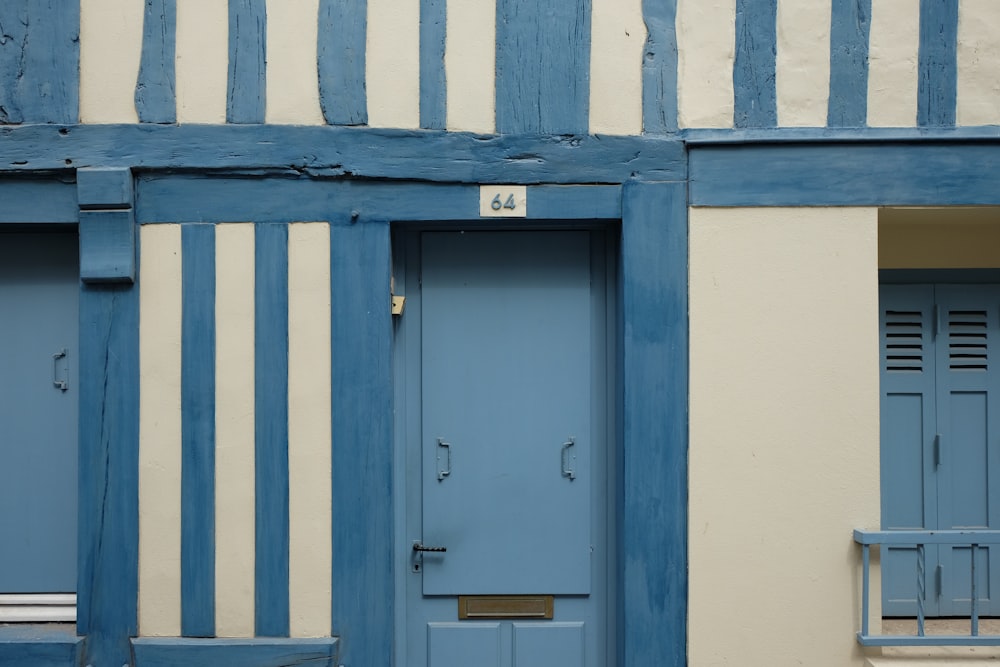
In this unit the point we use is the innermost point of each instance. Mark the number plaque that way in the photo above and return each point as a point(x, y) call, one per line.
point(503, 201)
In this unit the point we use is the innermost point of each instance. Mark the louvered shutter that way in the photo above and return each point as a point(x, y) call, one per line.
point(968, 415)
point(907, 385)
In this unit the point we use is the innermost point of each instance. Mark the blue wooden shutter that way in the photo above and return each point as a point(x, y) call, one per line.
point(968, 410)
point(908, 430)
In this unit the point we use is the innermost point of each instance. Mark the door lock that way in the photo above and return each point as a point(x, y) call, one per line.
point(417, 555)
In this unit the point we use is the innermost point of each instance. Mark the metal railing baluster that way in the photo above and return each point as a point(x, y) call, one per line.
point(921, 588)
point(975, 602)
point(865, 586)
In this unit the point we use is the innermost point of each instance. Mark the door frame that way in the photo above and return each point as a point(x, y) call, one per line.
point(406, 261)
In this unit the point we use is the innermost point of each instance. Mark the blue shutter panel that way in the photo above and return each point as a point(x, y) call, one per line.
point(907, 389)
point(967, 418)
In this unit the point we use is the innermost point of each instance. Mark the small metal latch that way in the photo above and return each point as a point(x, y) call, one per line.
point(397, 304)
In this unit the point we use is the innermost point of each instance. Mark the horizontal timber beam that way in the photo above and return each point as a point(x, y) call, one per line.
point(325, 151)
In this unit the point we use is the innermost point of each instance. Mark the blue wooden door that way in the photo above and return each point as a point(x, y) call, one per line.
point(509, 470)
point(39, 285)
point(939, 444)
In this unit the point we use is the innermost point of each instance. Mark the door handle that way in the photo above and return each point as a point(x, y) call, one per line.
point(447, 469)
point(567, 471)
point(419, 547)
point(60, 384)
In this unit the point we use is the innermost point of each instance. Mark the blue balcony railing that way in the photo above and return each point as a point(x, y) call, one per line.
point(920, 539)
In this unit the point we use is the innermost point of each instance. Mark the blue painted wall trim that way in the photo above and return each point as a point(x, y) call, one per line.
point(341, 61)
point(107, 225)
point(185, 198)
point(28, 200)
point(47, 645)
point(755, 96)
point(361, 340)
point(39, 61)
point(107, 579)
point(433, 86)
point(543, 66)
point(107, 246)
point(155, 95)
point(937, 65)
point(339, 151)
point(870, 174)
point(105, 188)
point(271, 449)
point(653, 523)
point(198, 431)
point(850, 32)
point(246, 91)
point(659, 67)
point(161, 652)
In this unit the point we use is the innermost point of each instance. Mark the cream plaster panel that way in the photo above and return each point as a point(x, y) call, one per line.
point(470, 65)
point(235, 544)
point(202, 60)
point(110, 48)
point(160, 431)
point(310, 490)
point(706, 41)
point(784, 432)
point(292, 73)
point(892, 63)
point(392, 63)
point(978, 63)
point(939, 238)
point(802, 74)
point(618, 37)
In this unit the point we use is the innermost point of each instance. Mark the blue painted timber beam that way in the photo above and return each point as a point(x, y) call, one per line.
point(433, 85)
point(850, 31)
point(652, 511)
point(754, 83)
point(361, 377)
point(341, 61)
point(48, 645)
point(167, 652)
point(846, 174)
point(186, 198)
point(543, 66)
point(155, 89)
point(341, 151)
point(107, 225)
point(246, 92)
point(937, 63)
point(659, 67)
point(39, 61)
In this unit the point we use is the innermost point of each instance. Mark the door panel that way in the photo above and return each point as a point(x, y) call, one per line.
point(458, 645)
point(39, 280)
point(544, 645)
point(507, 443)
point(506, 398)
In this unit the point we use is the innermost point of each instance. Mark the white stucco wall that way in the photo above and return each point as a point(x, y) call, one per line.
point(978, 63)
point(892, 58)
point(802, 63)
point(706, 43)
point(784, 440)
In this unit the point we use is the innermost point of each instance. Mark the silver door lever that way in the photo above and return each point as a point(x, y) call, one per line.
point(418, 547)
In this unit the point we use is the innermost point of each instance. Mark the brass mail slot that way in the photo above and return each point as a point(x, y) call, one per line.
point(505, 606)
